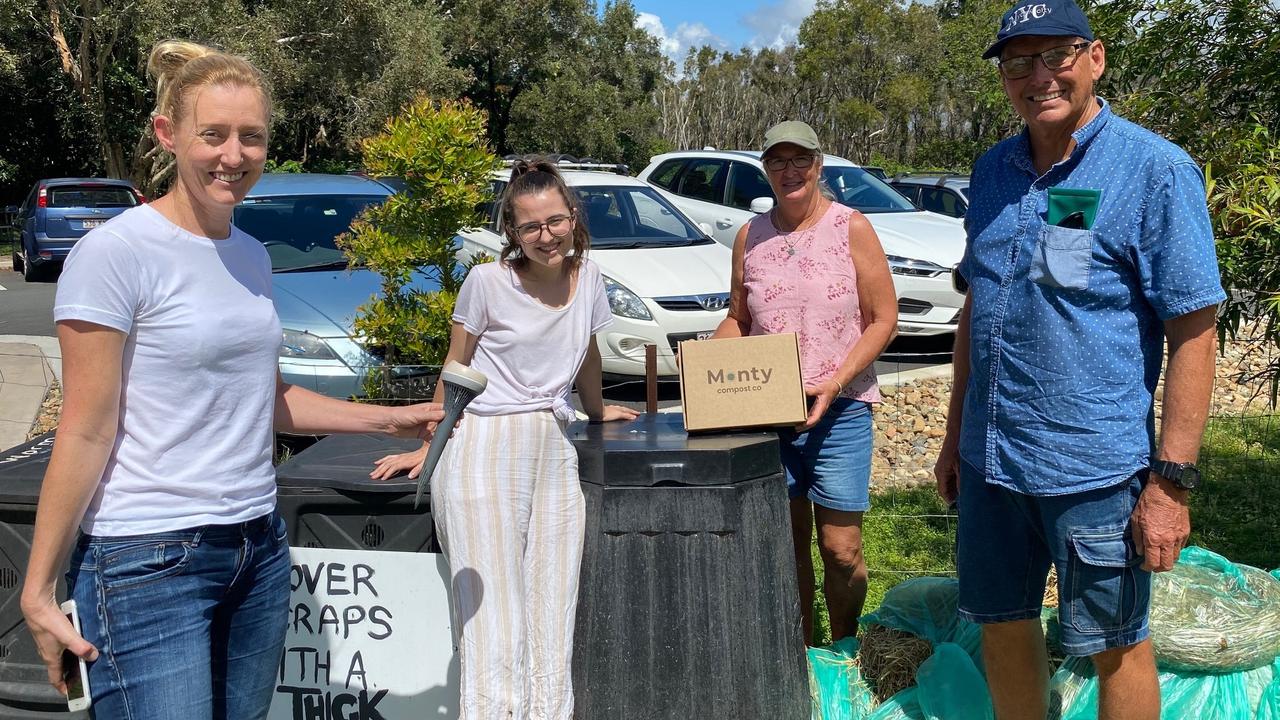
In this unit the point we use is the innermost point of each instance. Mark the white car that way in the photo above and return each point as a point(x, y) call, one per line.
point(724, 189)
point(666, 280)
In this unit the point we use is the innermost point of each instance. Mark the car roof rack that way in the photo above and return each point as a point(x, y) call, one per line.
point(941, 176)
point(588, 164)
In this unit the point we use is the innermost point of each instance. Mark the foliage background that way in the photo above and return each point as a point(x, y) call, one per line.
point(893, 83)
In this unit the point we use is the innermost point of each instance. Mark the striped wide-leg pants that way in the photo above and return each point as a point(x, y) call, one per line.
point(511, 514)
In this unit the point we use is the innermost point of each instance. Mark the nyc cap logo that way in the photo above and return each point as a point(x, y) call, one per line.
point(1024, 14)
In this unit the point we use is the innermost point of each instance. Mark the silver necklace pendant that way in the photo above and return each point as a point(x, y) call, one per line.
point(791, 251)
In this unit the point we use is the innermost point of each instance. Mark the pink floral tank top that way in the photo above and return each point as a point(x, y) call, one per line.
point(804, 282)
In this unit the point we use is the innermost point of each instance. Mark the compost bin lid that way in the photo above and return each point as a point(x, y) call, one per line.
point(655, 450)
point(22, 469)
point(343, 462)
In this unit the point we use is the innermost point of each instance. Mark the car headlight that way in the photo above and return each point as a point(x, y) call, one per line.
point(623, 302)
point(302, 344)
point(899, 265)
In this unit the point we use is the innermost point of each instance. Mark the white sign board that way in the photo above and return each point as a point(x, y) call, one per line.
point(369, 638)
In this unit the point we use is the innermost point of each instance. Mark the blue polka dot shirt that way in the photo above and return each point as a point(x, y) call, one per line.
point(1067, 333)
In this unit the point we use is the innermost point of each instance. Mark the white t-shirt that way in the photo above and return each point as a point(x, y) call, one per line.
point(531, 353)
point(197, 393)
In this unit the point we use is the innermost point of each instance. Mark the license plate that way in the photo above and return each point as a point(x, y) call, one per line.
point(89, 224)
point(704, 335)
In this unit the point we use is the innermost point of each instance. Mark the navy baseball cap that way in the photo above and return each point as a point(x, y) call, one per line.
point(1040, 17)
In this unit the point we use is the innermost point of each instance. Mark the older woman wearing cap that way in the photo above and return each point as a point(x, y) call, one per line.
point(815, 268)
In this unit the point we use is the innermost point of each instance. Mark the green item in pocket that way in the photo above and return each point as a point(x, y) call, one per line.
point(1065, 201)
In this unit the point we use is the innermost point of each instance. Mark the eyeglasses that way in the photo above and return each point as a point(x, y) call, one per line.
point(557, 225)
point(1054, 58)
point(799, 162)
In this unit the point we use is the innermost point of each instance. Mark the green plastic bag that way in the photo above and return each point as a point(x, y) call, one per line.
point(902, 706)
point(1241, 695)
point(1209, 614)
point(1269, 702)
point(926, 608)
point(836, 689)
point(951, 688)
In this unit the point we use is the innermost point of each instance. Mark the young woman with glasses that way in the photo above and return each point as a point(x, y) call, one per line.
point(505, 496)
point(814, 267)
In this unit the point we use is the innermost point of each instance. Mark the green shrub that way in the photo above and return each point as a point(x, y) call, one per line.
point(438, 149)
point(1244, 200)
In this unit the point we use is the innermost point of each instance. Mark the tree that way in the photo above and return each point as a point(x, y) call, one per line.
point(508, 47)
point(597, 102)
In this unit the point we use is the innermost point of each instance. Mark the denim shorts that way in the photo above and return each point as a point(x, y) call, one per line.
point(1006, 541)
point(830, 463)
point(189, 623)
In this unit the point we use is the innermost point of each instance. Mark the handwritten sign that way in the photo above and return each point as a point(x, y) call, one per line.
point(369, 638)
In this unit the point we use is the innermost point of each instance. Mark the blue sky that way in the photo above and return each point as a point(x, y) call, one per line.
point(725, 24)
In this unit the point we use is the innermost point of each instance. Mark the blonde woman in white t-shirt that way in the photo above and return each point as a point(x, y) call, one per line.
point(505, 496)
point(163, 455)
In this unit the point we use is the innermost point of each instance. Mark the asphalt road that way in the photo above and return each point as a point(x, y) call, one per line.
point(26, 308)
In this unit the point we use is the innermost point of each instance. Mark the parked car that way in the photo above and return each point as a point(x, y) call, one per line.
point(944, 194)
point(296, 217)
point(59, 211)
point(666, 280)
point(724, 189)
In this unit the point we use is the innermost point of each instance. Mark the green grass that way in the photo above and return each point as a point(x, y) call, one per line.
point(1237, 512)
point(908, 533)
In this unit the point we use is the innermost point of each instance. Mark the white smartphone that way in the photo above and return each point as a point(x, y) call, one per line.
point(74, 672)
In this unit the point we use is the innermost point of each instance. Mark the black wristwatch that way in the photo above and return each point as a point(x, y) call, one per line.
point(1182, 475)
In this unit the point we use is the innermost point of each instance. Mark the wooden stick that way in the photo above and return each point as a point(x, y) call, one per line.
point(651, 378)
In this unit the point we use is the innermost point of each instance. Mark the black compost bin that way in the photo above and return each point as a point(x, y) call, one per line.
point(24, 687)
point(688, 607)
point(328, 500)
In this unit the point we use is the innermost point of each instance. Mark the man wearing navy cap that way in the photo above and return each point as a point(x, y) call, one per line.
point(1089, 246)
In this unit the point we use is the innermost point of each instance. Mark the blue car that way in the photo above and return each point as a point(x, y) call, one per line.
point(296, 217)
point(58, 212)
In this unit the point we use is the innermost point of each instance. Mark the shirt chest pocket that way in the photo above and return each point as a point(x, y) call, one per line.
point(1062, 258)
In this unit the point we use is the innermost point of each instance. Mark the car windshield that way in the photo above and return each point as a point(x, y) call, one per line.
point(91, 196)
point(863, 191)
point(627, 216)
point(299, 230)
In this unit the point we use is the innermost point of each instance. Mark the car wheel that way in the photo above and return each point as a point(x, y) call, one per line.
point(30, 273)
point(17, 262)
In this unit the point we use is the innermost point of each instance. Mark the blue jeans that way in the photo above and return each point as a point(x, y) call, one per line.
point(830, 463)
point(1006, 540)
point(190, 624)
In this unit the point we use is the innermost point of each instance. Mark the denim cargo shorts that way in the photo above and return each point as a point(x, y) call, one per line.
point(1006, 541)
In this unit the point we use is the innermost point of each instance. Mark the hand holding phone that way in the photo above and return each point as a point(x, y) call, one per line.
point(75, 674)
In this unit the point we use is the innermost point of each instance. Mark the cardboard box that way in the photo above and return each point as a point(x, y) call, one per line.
point(741, 382)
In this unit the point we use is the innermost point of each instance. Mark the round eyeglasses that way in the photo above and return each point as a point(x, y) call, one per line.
point(557, 225)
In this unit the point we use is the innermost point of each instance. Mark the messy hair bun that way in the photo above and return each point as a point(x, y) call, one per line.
point(179, 66)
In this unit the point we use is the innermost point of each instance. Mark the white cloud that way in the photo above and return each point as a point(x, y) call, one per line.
point(777, 23)
point(686, 35)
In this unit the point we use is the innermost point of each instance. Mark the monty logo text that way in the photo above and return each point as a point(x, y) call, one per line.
point(744, 375)
point(1025, 13)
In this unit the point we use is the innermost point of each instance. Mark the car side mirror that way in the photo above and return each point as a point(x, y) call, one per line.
point(761, 205)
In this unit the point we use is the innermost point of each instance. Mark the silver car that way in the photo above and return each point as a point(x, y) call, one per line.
point(297, 217)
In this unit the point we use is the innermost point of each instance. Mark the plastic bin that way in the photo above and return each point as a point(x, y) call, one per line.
point(328, 500)
point(688, 608)
point(25, 692)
